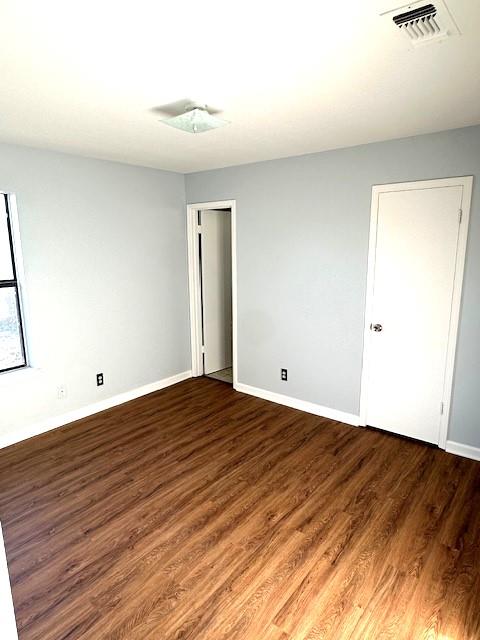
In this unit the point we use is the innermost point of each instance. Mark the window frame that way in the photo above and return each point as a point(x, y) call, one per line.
point(14, 283)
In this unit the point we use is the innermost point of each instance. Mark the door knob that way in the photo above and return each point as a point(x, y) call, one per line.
point(376, 327)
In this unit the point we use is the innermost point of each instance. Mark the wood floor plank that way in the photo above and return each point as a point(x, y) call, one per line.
point(199, 513)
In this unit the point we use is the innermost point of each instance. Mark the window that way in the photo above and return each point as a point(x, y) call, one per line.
point(12, 342)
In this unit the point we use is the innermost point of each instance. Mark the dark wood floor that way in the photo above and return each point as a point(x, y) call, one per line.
point(201, 513)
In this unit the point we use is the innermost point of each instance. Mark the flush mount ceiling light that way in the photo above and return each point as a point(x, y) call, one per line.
point(196, 119)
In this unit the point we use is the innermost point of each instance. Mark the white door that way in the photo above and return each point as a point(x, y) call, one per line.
point(216, 261)
point(412, 289)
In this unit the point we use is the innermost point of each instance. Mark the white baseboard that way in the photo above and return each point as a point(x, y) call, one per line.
point(77, 414)
point(309, 407)
point(464, 450)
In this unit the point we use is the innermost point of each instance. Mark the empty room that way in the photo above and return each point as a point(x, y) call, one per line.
point(240, 320)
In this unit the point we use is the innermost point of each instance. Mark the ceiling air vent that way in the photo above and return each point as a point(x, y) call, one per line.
point(424, 23)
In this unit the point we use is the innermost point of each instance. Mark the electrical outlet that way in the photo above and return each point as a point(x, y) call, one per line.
point(99, 379)
point(62, 392)
point(283, 375)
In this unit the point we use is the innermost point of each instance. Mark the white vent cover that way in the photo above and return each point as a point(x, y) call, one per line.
point(423, 22)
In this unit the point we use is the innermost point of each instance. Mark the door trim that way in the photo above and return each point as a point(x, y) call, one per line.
point(194, 285)
point(466, 182)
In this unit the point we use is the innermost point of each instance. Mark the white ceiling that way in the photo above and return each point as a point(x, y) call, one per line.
point(293, 78)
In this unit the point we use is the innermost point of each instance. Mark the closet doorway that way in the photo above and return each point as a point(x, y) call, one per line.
point(418, 240)
point(212, 281)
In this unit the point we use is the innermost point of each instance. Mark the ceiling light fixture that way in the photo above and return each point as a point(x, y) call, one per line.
point(196, 119)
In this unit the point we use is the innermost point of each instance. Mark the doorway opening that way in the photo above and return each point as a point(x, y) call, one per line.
point(212, 284)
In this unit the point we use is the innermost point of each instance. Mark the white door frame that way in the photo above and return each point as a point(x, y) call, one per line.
point(194, 284)
point(467, 183)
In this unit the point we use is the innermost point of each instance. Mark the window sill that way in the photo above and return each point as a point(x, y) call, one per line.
point(18, 376)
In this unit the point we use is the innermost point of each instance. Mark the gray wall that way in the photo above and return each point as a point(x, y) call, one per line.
point(104, 249)
point(302, 244)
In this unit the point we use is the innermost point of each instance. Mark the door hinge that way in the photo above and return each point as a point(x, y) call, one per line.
point(441, 408)
point(460, 216)
point(199, 228)
point(203, 348)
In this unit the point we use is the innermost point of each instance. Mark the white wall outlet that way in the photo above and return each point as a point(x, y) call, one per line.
point(62, 392)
